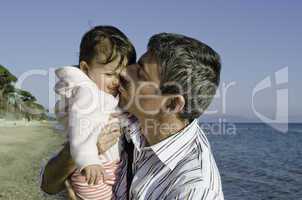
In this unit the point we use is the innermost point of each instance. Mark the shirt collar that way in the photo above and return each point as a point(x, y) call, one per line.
point(174, 148)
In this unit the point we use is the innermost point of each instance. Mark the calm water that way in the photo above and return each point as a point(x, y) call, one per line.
point(258, 162)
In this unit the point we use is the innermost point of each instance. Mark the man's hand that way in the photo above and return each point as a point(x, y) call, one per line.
point(93, 173)
point(110, 133)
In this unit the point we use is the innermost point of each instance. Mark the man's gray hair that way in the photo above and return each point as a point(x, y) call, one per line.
point(188, 67)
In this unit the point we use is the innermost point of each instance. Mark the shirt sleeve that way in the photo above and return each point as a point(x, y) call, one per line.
point(86, 119)
point(193, 193)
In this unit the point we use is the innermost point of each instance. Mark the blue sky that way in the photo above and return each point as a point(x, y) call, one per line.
point(254, 38)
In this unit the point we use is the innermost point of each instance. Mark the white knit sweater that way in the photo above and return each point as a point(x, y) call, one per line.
point(84, 110)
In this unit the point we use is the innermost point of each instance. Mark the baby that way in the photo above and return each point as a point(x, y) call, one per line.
point(89, 95)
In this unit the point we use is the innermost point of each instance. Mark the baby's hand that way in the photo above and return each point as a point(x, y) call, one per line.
point(93, 173)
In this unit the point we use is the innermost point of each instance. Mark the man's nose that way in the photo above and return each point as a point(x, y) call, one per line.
point(115, 81)
point(123, 72)
point(126, 73)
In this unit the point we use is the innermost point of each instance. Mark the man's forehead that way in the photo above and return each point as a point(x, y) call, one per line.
point(148, 57)
point(150, 66)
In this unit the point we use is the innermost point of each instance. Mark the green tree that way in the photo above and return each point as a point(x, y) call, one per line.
point(6, 77)
point(20, 102)
point(25, 95)
point(6, 81)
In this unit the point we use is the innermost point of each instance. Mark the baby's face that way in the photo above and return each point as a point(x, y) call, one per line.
point(106, 76)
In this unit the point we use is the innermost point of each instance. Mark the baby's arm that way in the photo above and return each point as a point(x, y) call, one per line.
point(86, 119)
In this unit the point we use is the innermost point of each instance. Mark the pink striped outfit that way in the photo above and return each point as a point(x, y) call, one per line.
point(102, 191)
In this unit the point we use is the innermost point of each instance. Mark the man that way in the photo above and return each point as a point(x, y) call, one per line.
point(170, 87)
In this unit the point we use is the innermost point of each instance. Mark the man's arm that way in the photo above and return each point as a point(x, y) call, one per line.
point(57, 171)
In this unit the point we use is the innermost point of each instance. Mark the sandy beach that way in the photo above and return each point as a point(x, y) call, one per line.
point(23, 149)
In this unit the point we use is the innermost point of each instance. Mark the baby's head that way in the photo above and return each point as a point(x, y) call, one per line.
point(104, 52)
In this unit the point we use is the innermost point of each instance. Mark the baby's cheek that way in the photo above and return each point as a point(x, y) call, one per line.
point(105, 81)
point(101, 82)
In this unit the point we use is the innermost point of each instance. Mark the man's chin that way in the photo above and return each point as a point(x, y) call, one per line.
point(123, 103)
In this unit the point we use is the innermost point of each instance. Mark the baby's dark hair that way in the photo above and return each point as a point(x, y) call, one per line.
point(106, 43)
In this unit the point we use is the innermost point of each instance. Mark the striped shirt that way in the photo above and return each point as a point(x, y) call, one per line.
point(180, 167)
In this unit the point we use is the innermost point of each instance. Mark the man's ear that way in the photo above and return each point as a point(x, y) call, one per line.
point(84, 67)
point(173, 104)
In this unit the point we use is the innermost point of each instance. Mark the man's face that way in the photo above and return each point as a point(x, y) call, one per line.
point(139, 87)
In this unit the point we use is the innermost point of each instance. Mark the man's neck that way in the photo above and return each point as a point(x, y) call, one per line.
point(156, 130)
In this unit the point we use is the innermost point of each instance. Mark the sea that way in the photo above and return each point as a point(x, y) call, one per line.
point(257, 161)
